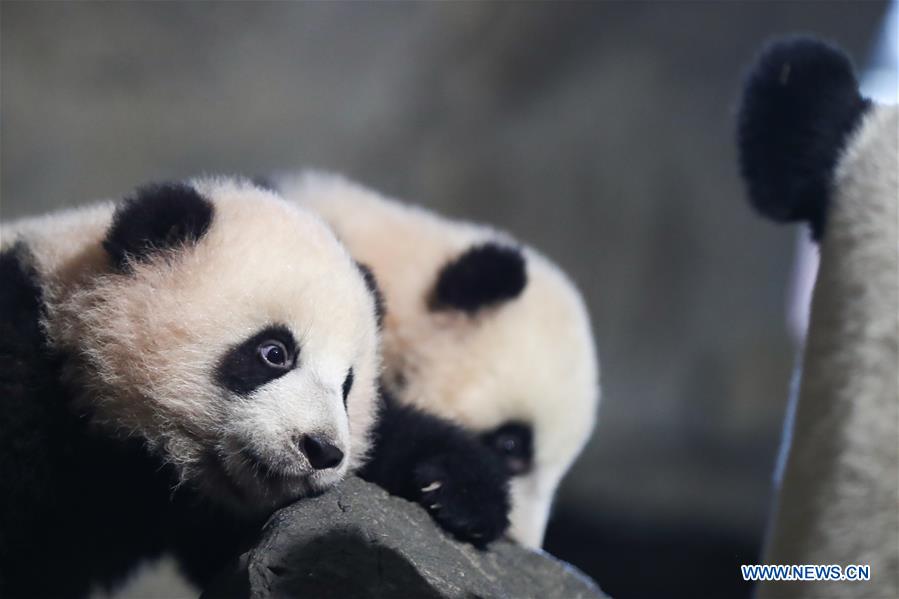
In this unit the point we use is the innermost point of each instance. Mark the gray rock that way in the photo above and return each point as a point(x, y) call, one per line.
point(358, 541)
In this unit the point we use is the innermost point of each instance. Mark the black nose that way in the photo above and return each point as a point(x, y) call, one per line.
point(320, 453)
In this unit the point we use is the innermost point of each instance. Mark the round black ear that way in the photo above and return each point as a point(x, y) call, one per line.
point(482, 276)
point(157, 217)
point(800, 103)
point(372, 283)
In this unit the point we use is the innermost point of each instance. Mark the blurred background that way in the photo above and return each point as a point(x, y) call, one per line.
point(600, 133)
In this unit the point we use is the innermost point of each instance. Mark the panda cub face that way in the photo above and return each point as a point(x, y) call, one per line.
point(477, 328)
point(510, 354)
point(235, 335)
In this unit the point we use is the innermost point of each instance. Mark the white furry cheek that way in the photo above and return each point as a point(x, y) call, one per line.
point(272, 420)
point(256, 421)
point(531, 501)
point(260, 453)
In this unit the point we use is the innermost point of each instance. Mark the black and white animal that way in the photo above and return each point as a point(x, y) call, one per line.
point(176, 366)
point(479, 329)
point(813, 150)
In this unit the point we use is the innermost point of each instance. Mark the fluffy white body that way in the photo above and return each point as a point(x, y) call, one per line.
point(529, 359)
point(147, 344)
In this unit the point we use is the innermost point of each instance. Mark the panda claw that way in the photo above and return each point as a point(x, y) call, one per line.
point(434, 506)
point(432, 487)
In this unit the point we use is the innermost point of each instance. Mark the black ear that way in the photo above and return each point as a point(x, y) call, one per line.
point(482, 276)
point(372, 283)
point(800, 103)
point(157, 217)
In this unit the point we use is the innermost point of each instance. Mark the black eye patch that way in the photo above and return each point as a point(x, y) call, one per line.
point(513, 442)
point(269, 354)
point(347, 385)
point(372, 283)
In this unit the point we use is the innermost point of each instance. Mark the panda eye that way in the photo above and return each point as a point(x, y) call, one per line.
point(257, 360)
point(513, 442)
point(274, 354)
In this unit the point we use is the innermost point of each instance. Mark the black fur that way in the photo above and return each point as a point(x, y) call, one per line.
point(242, 369)
point(800, 104)
point(482, 276)
point(372, 283)
point(414, 450)
point(20, 304)
point(347, 385)
point(157, 217)
point(78, 508)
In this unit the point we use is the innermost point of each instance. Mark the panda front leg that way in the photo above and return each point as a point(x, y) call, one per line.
point(443, 467)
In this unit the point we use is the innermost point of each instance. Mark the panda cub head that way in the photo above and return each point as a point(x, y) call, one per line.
point(231, 332)
point(525, 376)
point(478, 328)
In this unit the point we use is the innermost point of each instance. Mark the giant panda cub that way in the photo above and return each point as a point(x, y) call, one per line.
point(813, 150)
point(174, 367)
point(478, 328)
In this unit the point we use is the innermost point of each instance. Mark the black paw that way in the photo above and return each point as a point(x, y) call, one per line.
point(469, 499)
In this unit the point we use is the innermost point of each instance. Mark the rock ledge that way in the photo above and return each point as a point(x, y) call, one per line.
point(358, 541)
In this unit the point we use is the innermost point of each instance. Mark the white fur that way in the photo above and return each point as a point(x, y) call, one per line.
point(531, 358)
point(145, 344)
point(839, 502)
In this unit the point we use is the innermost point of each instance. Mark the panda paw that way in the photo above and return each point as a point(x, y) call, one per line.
point(470, 500)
